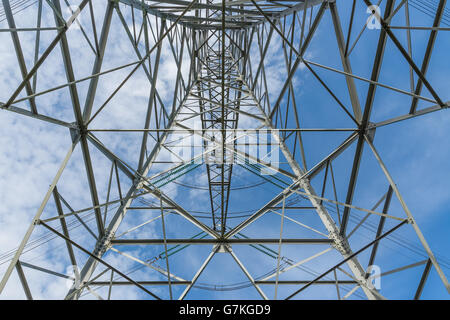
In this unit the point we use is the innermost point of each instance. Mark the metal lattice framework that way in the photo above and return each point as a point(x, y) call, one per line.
point(223, 93)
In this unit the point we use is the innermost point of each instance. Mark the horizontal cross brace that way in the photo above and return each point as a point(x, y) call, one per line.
point(215, 241)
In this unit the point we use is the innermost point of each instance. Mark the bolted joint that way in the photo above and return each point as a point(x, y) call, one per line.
point(74, 133)
point(104, 244)
point(83, 130)
point(328, 2)
point(78, 131)
point(222, 248)
point(370, 131)
point(340, 243)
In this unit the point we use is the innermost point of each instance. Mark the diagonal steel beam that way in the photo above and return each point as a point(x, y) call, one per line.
point(36, 218)
point(23, 280)
point(340, 242)
point(423, 280)
point(347, 259)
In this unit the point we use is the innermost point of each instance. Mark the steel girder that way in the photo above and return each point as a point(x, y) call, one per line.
point(222, 97)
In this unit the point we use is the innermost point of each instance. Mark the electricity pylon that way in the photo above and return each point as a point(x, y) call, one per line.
point(221, 124)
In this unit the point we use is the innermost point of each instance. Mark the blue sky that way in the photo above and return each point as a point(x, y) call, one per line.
point(415, 152)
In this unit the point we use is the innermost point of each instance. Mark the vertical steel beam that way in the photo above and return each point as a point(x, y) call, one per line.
point(151, 101)
point(90, 97)
point(366, 116)
point(79, 118)
point(19, 52)
point(46, 53)
point(345, 61)
point(428, 52)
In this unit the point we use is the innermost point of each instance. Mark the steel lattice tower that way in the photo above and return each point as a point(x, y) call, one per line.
point(203, 136)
